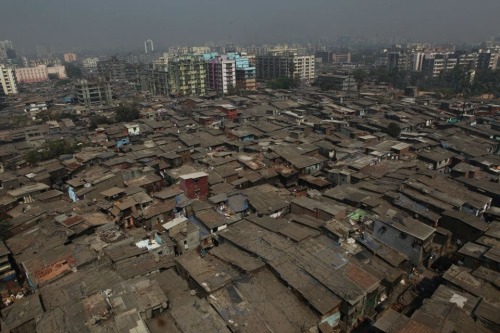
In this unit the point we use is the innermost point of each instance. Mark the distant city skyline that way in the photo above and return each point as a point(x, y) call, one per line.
point(94, 24)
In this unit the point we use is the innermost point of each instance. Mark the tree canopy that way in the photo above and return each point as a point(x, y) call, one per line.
point(360, 77)
point(393, 129)
point(126, 113)
point(72, 70)
point(486, 82)
point(52, 149)
point(284, 83)
point(97, 120)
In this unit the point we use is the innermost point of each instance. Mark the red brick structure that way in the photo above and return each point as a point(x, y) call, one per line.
point(195, 185)
point(231, 111)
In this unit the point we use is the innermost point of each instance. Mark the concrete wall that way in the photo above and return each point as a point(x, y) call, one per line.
point(393, 238)
point(460, 230)
point(312, 169)
point(192, 239)
point(190, 187)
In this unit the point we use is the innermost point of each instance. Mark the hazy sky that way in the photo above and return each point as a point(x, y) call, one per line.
point(127, 23)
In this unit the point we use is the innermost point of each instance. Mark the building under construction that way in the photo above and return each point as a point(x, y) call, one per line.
point(90, 93)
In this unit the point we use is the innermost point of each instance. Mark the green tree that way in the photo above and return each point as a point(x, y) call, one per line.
point(360, 77)
point(52, 149)
point(393, 129)
point(283, 83)
point(487, 82)
point(61, 83)
point(126, 113)
point(416, 78)
point(32, 157)
point(398, 79)
point(460, 80)
point(72, 70)
point(97, 120)
point(66, 114)
point(232, 90)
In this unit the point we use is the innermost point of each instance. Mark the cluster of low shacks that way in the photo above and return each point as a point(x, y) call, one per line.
point(276, 211)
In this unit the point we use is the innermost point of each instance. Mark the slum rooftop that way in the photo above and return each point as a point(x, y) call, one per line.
point(300, 214)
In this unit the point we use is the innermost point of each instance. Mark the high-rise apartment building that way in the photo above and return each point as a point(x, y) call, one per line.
point(304, 66)
point(251, 60)
point(32, 74)
point(39, 73)
point(69, 57)
point(8, 80)
point(341, 58)
point(90, 93)
point(186, 76)
point(155, 81)
point(221, 73)
point(418, 60)
point(287, 63)
point(400, 60)
point(245, 72)
point(466, 59)
point(113, 69)
point(44, 61)
point(487, 60)
point(433, 62)
point(176, 51)
point(436, 63)
point(148, 46)
point(199, 50)
point(90, 62)
point(325, 56)
point(161, 63)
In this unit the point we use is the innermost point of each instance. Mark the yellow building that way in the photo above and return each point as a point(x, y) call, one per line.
point(187, 75)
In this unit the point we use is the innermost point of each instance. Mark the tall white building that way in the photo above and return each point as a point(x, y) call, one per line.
point(418, 61)
point(199, 50)
point(90, 62)
point(8, 80)
point(436, 63)
point(148, 46)
point(221, 74)
point(304, 67)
